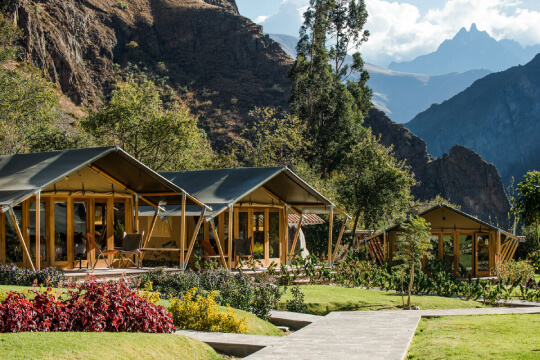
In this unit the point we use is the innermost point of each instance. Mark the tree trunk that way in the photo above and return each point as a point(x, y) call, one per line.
point(410, 287)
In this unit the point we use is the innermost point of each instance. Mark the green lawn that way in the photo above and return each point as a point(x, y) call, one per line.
point(322, 299)
point(477, 337)
point(88, 346)
point(257, 326)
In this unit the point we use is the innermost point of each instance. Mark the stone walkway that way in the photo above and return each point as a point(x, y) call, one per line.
point(342, 335)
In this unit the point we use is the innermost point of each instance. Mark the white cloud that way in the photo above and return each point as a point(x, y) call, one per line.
point(401, 32)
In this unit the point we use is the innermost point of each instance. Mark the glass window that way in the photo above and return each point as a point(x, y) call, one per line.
point(14, 252)
point(258, 235)
point(448, 251)
point(100, 225)
point(466, 251)
point(79, 230)
point(483, 252)
point(243, 225)
point(42, 234)
point(119, 223)
point(60, 231)
point(434, 239)
point(273, 234)
point(226, 231)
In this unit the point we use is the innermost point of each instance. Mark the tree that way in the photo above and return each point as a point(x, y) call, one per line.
point(412, 244)
point(331, 110)
point(136, 120)
point(272, 140)
point(9, 35)
point(374, 186)
point(527, 206)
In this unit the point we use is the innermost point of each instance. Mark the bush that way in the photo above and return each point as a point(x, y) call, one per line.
point(296, 304)
point(12, 275)
point(534, 258)
point(91, 306)
point(122, 5)
point(202, 313)
point(511, 272)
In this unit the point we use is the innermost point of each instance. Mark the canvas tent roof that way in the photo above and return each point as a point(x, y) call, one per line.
point(221, 188)
point(459, 212)
point(23, 175)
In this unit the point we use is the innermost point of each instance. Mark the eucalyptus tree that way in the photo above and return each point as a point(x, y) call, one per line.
point(331, 107)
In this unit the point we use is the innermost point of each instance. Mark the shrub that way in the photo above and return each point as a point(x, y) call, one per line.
point(90, 306)
point(202, 313)
point(122, 5)
point(12, 275)
point(510, 272)
point(534, 258)
point(296, 304)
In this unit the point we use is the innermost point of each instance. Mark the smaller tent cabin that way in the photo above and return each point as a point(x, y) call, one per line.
point(249, 206)
point(457, 238)
point(75, 192)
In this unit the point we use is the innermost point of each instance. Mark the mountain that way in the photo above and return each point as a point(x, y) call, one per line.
point(469, 50)
point(460, 176)
point(498, 116)
point(402, 95)
point(220, 62)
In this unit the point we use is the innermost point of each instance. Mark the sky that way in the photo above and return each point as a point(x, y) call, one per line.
point(402, 30)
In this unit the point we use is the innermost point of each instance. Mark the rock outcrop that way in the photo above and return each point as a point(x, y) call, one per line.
point(498, 116)
point(205, 48)
point(460, 176)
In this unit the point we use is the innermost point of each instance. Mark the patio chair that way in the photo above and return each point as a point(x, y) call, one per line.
point(95, 246)
point(131, 246)
point(243, 249)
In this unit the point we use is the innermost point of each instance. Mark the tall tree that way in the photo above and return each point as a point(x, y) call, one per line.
point(374, 186)
point(527, 206)
point(331, 109)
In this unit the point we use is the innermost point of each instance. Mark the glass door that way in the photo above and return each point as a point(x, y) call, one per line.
point(80, 228)
point(14, 250)
point(448, 252)
point(273, 235)
point(258, 236)
point(100, 229)
point(466, 252)
point(482, 255)
point(44, 260)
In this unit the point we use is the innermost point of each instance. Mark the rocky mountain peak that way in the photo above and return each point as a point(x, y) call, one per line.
point(226, 4)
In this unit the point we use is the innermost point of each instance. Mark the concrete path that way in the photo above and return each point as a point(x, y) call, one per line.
point(342, 335)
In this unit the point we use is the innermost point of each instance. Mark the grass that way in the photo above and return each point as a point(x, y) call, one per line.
point(257, 325)
point(477, 337)
point(88, 346)
point(322, 299)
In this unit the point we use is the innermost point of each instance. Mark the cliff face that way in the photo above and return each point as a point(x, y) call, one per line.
point(498, 116)
point(460, 176)
point(204, 47)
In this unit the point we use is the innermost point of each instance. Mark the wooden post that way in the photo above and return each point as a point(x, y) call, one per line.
point(286, 232)
point(136, 217)
point(230, 233)
point(220, 249)
point(296, 234)
point(150, 231)
point(330, 227)
point(20, 236)
point(38, 230)
point(193, 237)
point(339, 238)
point(266, 237)
point(2, 237)
point(385, 243)
point(183, 231)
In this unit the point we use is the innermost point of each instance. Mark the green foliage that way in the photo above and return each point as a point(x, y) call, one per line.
point(9, 35)
point(332, 113)
point(122, 5)
point(527, 206)
point(374, 186)
point(202, 313)
point(272, 139)
point(534, 258)
point(296, 304)
point(162, 138)
point(412, 244)
point(510, 272)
